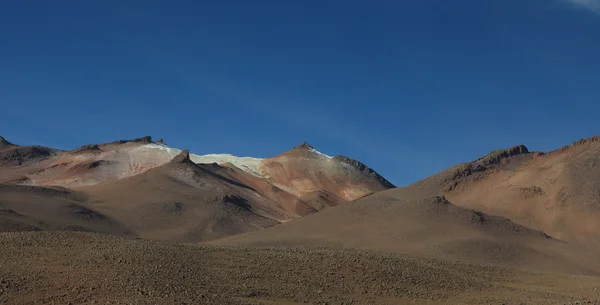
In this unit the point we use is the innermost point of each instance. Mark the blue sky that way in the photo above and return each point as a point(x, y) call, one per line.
point(407, 87)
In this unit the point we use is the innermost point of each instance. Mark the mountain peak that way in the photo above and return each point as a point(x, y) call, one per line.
point(305, 145)
point(183, 157)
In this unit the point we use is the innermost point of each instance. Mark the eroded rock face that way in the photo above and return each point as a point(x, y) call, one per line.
point(145, 140)
point(497, 156)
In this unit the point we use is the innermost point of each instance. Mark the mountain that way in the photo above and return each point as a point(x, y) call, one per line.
point(306, 180)
point(430, 227)
point(183, 201)
point(511, 207)
point(510, 227)
point(556, 192)
point(156, 191)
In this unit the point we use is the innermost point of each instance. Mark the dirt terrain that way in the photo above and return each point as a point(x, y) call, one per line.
point(84, 268)
point(512, 227)
point(431, 228)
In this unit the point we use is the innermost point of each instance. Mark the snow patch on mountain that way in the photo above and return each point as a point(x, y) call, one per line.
point(319, 153)
point(172, 152)
point(247, 164)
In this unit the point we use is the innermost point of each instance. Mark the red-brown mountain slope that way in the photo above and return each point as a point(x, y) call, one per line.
point(556, 192)
point(159, 192)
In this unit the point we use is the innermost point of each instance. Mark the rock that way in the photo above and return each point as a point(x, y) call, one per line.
point(183, 157)
point(365, 169)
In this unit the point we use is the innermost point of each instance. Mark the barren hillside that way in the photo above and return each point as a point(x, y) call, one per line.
point(556, 192)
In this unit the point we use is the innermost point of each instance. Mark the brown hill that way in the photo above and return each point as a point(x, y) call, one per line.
point(183, 201)
point(321, 181)
point(16, 161)
point(299, 182)
point(161, 192)
point(87, 165)
point(30, 208)
point(428, 248)
point(556, 192)
point(430, 227)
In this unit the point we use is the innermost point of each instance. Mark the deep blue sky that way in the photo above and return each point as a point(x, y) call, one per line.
point(407, 87)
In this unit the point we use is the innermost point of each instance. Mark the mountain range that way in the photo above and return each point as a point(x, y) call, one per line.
point(528, 221)
point(156, 191)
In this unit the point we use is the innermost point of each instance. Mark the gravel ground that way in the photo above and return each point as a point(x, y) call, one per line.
point(87, 268)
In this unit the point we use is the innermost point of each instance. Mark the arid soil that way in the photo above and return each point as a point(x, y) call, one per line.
point(432, 228)
point(84, 268)
point(136, 222)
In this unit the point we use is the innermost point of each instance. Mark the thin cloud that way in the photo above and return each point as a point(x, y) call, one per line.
point(592, 5)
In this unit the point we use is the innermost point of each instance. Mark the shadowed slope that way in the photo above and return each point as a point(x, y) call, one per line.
point(16, 161)
point(25, 208)
point(183, 201)
point(430, 227)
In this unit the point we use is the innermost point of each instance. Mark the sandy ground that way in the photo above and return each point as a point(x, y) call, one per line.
point(87, 268)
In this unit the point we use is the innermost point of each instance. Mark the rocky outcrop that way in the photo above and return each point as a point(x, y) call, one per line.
point(20, 155)
point(590, 140)
point(182, 158)
point(364, 169)
point(491, 160)
point(497, 156)
point(304, 145)
point(586, 140)
point(90, 148)
point(143, 140)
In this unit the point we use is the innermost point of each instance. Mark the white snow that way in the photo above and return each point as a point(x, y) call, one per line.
point(173, 152)
point(319, 153)
point(248, 164)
